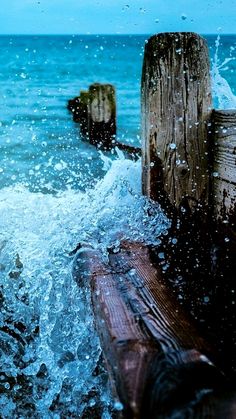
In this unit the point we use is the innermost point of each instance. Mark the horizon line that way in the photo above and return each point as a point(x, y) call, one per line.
point(111, 34)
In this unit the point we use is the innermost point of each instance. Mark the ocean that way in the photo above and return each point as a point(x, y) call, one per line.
point(58, 190)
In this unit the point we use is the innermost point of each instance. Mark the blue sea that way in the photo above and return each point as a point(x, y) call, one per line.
point(57, 190)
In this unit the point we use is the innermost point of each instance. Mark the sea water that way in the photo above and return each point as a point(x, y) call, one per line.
point(57, 191)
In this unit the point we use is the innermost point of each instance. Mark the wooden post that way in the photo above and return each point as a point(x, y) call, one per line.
point(176, 110)
point(224, 170)
point(102, 115)
point(95, 110)
point(224, 230)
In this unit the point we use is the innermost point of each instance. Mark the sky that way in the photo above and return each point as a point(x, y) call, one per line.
point(116, 16)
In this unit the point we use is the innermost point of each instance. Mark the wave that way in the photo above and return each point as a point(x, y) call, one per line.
point(49, 346)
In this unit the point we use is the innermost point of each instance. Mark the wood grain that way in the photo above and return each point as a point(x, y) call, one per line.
point(102, 115)
point(176, 109)
point(224, 172)
point(157, 360)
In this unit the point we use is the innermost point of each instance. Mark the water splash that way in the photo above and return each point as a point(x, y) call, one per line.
point(222, 93)
point(49, 349)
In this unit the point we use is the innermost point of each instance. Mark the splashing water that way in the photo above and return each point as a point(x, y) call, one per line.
point(222, 93)
point(49, 349)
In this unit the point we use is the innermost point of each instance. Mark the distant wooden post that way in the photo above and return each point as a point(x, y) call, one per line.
point(224, 170)
point(102, 115)
point(95, 111)
point(176, 110)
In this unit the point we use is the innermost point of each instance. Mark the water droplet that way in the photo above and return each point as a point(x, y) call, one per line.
point(132, 272)
point(118, 406)
point(172, 146)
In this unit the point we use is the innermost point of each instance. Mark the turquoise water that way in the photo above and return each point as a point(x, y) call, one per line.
point(38, 76)
point(57, 190)
point(40, 145)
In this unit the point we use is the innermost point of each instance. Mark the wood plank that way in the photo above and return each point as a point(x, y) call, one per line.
point(150, 344)
point(224, 171)
point(176, 109)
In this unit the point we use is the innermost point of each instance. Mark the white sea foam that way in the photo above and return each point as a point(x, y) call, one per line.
point(56, 349)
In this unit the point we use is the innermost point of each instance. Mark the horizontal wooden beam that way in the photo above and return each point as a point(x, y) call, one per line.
point(156, 357)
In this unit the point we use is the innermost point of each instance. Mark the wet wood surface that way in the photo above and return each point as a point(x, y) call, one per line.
point(102, 115)
point(224, 170)
point(158, 362)
point(176, 110)
point(95, 111)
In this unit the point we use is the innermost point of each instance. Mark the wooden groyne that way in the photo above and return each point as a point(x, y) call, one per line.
point(189, 167)
point(158, 361)
point(95, 111)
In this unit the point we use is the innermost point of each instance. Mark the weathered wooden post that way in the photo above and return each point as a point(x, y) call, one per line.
point(95, 110)
point(224, 230)
point(224, 176)
point(189, 167)
point(176, 110)
point(102, 115)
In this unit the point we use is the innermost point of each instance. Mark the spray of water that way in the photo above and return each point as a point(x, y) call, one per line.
point(222, 93)
point(49, 349)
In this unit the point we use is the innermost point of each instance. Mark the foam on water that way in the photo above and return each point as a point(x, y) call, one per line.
point(49, 348)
